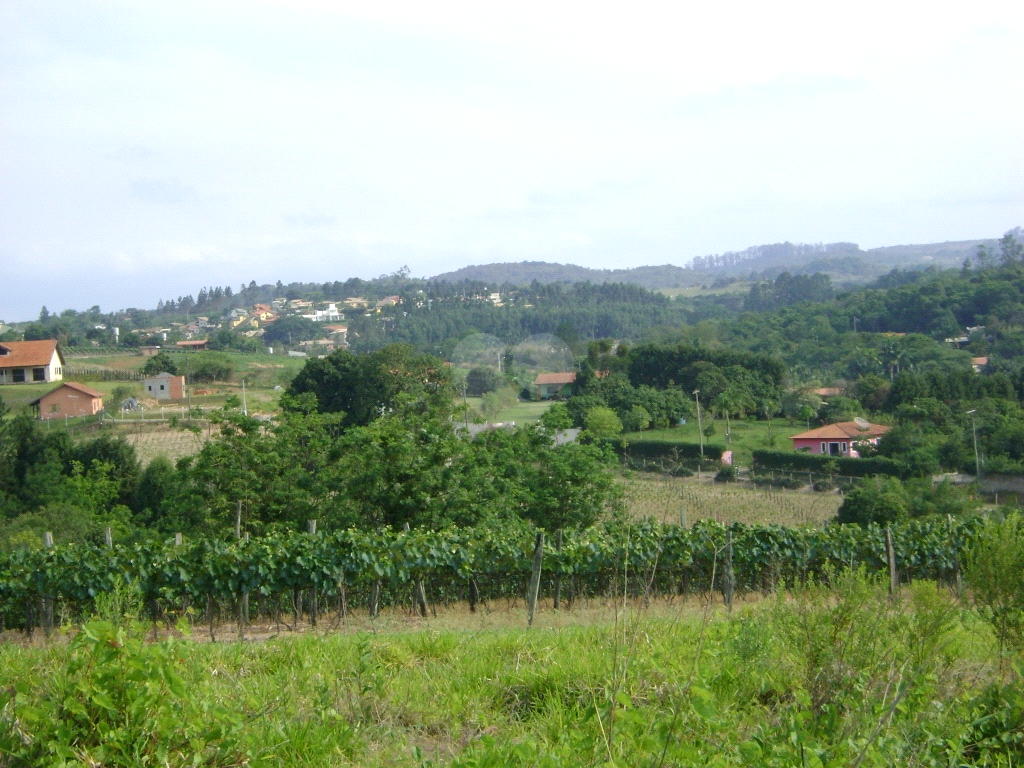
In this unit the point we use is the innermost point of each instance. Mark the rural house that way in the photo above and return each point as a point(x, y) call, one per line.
point(23, 362)
point(164, 386)
point(550, 385)
point(69, 399)
point(839, 439)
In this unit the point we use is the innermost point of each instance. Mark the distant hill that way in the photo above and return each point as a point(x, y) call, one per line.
point(846, 263)
point(525, 272)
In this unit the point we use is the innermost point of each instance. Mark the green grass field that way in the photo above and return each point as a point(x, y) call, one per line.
point(839, 676)
point(523, 412)
point(747, 436)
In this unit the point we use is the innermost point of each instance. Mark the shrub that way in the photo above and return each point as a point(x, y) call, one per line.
point(796, 461)
point(726, 475)
point(995, 575)
point(602, 422)
point(119, 702)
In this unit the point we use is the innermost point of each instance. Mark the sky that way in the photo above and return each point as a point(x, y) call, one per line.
point(148, 149)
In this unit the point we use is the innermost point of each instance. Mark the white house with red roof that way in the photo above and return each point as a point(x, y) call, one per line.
point(839, 439)
point(24, 362)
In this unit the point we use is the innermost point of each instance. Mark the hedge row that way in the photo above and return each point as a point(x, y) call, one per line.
point(809, 462)
point(659, 449)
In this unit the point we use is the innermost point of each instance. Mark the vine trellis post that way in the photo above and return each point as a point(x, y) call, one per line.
point(538, 559)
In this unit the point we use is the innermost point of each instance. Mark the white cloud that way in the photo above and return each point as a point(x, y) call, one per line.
point(211, 138)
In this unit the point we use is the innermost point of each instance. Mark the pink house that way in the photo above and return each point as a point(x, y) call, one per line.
point(839, 439)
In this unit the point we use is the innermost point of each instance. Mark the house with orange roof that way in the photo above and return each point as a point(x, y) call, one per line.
point(550, 385)
point(839, 439)
point(24, 362)
point(69, 399)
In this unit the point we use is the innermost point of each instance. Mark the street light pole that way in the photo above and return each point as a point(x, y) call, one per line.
point(974, 431)
point(700, 425)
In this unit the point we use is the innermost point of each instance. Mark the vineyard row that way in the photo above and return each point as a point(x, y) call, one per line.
point(353, 568)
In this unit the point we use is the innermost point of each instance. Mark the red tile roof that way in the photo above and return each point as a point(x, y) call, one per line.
point(555, 378)
point(72, 385)
point(28, 354)
point(843, 430)
point(979, 361)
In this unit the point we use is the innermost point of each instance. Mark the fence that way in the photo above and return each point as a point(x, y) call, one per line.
point(102, 374)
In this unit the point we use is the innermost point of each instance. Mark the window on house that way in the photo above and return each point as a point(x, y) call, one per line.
point(149, 387)
point(161, 387)
point(19, 375)
point(38, 374)
point(824, 447)
point(844, 447)
point(55, 408)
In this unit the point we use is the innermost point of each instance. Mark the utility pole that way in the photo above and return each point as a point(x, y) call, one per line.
point(245, 409)
point(700, 425)
point(188, 389)
point(974, 431)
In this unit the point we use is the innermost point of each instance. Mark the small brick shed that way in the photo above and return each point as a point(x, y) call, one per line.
point(69, 399)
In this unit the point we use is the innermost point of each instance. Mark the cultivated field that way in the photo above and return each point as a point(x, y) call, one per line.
point(675, 499)
point(151, 441)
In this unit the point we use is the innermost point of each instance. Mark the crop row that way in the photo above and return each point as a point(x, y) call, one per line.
point(641, 558)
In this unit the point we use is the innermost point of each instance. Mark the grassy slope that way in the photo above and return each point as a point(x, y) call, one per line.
point(522, 412)
point(747, 436)
point(772, 684)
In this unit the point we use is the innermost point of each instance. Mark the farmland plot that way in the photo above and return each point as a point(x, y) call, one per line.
point(164, 441)
point(670, 499)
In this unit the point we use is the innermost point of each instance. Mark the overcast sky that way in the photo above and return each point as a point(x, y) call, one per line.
point(148, 149)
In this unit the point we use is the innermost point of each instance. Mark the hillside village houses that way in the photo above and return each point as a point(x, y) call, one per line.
point(24, 362)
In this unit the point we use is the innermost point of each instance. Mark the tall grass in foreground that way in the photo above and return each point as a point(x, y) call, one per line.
point(836, 675)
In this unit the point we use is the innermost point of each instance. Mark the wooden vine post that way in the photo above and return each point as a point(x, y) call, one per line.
point(419, 594)
point(314, 602)
point(556, 603)
point(47, 603)
point(728, 575)
point(538, 560)
point(890, 553)
point(178, 541)
point(243, 601)
point(375, 594)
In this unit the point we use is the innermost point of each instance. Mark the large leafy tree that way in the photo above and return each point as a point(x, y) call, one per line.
point(365, 387)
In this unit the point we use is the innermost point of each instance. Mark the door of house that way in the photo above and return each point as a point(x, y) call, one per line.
point(833, 449)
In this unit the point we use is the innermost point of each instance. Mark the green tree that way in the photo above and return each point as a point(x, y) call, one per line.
point(602, 422)
point(481, 380)
point(159, 363)
point(364, 387)
point(556, 417)
point(574, 486)
point(636, 419)
point(292, 329)
point(874, 501)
